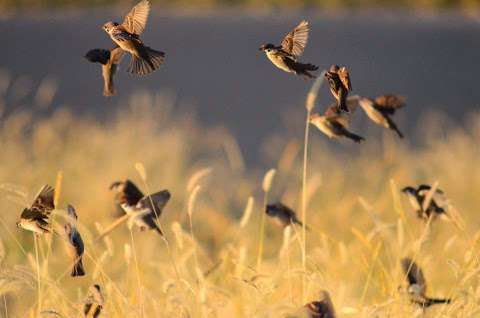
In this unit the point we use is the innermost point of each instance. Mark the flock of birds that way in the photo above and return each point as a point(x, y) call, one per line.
point(143, 211)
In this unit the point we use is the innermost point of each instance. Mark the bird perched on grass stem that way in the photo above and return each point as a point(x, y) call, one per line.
point(75, 246)
point(93, 302)
point(36, 217)
point(285, 56)
point(340, 85)
point(437, 206)
point(417, 286)
point(282, 214)
point(109, 59)
point(321, 308)
point(380, 110)
point(144, 60)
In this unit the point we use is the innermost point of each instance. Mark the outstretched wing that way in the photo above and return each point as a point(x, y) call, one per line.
point(44, 200)
point(345, 78)
point(159, 200)
point(136, 19)
point(98, 56)
point(414, 273)
point(295, 42)
point(390, 103)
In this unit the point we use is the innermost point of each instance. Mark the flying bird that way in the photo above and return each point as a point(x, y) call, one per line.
point(36, 217)
point(93, 302)
point(322, 308)
point(380, 110)
point(437, 206)
point(146, 210)
point(144, 60)
point(75, 246)
point(334, 123)
point(125, 191)
point(109, 59)
point(282, 214)
point(285, 56)
point(417, 286)
point(340, 85)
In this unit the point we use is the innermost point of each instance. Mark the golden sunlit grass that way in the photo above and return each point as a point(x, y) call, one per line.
point(220, 260)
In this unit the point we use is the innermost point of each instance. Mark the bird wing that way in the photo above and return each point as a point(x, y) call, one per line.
point(29, 214)
point(136, 19)
point(101, 56)
point(389, 103)
point(296, 40)
point(159, 200)
point(116, 55)
point(333, 114)
point(414, 273)
point(345, 78)
point(43, 202)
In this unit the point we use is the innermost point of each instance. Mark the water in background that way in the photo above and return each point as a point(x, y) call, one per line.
point(213, 63)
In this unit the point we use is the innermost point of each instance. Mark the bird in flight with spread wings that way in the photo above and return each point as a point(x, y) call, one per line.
point(285, 56)
point(109, 59)
point(340, 85)
point(36, 217)
point(144, 60)
point(382, 108)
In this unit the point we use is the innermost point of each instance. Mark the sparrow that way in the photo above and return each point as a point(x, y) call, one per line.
point(282, 214)
point(334, 123)
point(322, 308)
point(125, 191)
point(109, 60)
point(36, 217)
point(146, 211)
point(93, 302)
point(380, 110)
point(438, 204)
point(417, 286)
point(285, 56)
point(75, 246)
point(144, 60)
point(340, 85)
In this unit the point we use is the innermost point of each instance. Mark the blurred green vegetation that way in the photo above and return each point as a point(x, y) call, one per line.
point(459, 4)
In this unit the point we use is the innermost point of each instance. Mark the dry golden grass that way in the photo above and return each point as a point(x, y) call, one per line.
point(361, 224)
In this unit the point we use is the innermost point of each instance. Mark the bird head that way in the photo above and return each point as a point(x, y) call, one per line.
point(409, 190)
point(270, 209)
point(109, 26)
point(315, 118)
point(334, 68)
point(267, 47)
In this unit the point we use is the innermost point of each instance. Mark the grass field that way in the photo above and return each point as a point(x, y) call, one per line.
point(208, 264)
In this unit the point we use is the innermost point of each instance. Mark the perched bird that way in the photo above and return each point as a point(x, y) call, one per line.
point(380, 110)
point(145, 212)
point(36, 217)
point(340, 85)
point(282, 214)
point(322, 308)
point(334, 123)
point(417, 286)
point(438, 204)
point(125, 191)
point(109, 60)
point(144, 60)
point(285, 56)
point(93, 302)
point(75, 246)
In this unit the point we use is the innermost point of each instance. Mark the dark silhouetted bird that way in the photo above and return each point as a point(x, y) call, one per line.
point(75, 246)
point(438, 204)
point(282, 214)
point(380, 110)
point(321, 308)
point(340, 85)
point(36, 217)
point(125, 191)
point(109, 59)
point(285, 56)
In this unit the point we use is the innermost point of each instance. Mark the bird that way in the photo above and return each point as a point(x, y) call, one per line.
point(75, 246)
point(437, 206)
point(322, 308)
point(417, 285)
point(282, 214)
point(144, 59)
point(109, 59)
point(36, 217)
point(334, 123)
point(125, 191)
point(340, 85)
point(93, 302)
point(145, 212)
point(285, 56)
point(381, 108)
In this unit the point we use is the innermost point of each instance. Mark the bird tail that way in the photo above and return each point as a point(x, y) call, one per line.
point(78, 269)
point(356, 138)
point(433, 301)
point(149, 61)
point(303, 69)
point(394, 127)
point(298, 222)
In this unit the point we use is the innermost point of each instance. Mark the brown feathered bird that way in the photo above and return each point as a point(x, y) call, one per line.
point(417, 286)
point(125, 191)
point(438, 204)
point(93, 302)
point(36, 217)
point(75, 246)
point(144, 60)
point(109, 59)
point(382, 108)
point(321, 308)
point(282, 214)
point(340, 85)
point(285, 56)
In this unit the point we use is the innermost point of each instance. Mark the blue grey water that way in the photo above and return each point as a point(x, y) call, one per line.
point(213, 63)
